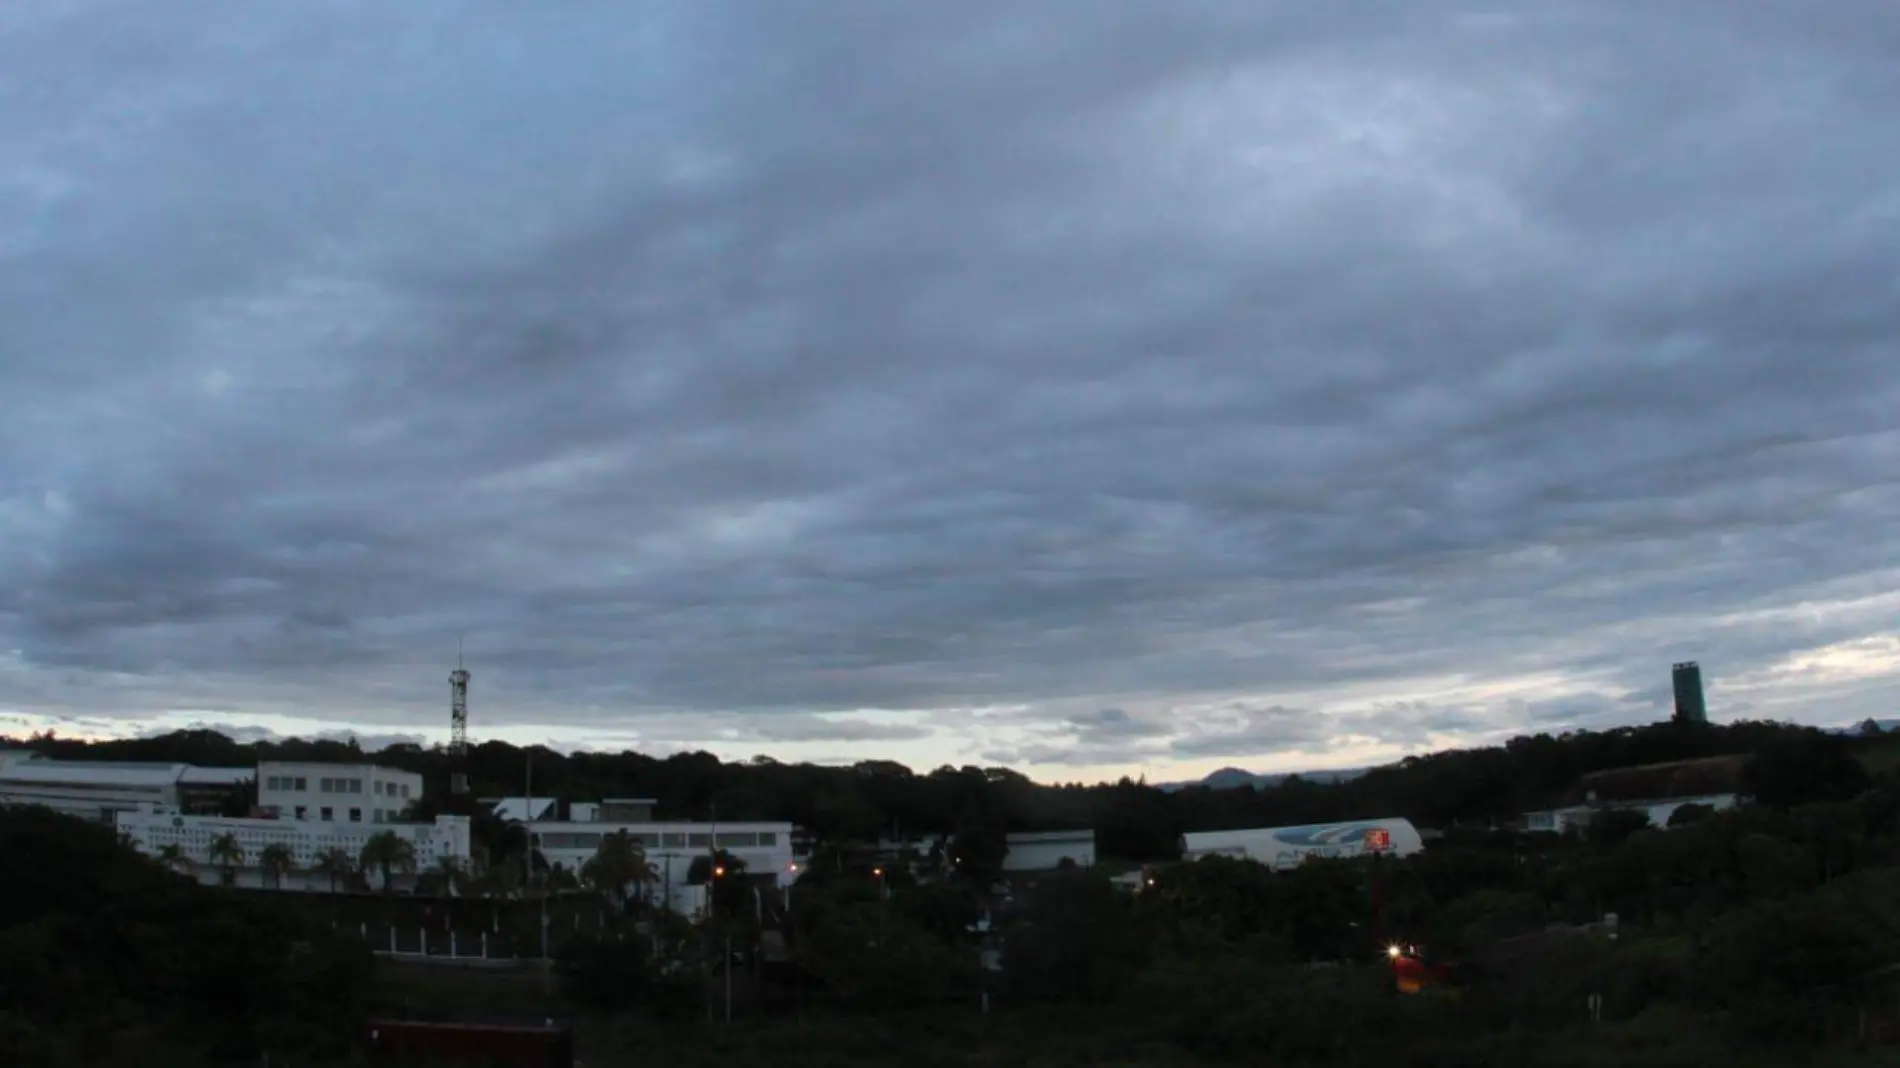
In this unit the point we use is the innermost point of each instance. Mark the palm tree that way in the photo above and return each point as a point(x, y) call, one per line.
point(388, 852)
point(453, 875)
point(172, 858)
point(498, 880)
point(617, 863)
point(335, 863)
point(227, 854)
point(277, 860)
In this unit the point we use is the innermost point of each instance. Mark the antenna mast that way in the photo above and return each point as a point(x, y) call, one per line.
point(458, 726)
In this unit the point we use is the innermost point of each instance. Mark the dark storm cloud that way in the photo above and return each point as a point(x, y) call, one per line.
point(1194, 363)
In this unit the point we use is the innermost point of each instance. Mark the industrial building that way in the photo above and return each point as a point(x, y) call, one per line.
point(1046, 850)
point(670, 847)
point(1656, 790)
point(1286, 847)
point(100, 789)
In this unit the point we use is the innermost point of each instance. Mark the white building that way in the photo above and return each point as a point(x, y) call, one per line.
point(100, 789)
point(1576, 817)
point(1286, 847)
point(336, 793)
point(670, 848)
point(1046, 850)
point(156, 827)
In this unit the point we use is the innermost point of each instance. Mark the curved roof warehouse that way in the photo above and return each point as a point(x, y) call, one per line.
point(1285, 847)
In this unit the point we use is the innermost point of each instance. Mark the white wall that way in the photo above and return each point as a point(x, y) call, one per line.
point(336, 793)
point(1046, 852)
point(151, 831)
point(766, 849)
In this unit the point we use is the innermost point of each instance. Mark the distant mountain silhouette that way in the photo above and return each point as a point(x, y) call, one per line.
point(1887, 726)
point(1236, 778)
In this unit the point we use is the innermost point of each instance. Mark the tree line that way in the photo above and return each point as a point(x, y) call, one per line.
point(1484, 786)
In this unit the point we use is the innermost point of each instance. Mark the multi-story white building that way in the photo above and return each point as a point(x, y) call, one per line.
point(309, 841)
point(99, 789)
point(336, 793)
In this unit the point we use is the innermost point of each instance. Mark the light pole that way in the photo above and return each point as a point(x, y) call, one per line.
point(882, 894)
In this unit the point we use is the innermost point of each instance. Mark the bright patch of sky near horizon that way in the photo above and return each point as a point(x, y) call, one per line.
point(1144, 388)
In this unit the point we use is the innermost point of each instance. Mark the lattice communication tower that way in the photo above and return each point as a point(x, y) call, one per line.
point(458, 728)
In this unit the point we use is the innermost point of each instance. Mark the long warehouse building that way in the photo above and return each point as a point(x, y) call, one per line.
point(101, 789)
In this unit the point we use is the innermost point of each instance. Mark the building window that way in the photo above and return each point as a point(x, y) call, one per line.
point(405, 789)
point(356, 815)
point(768, 838)
point(323, 785)
point(324, 814)
point(737, 840)
point(303, 813)
point(302, 784)
point(699, 841)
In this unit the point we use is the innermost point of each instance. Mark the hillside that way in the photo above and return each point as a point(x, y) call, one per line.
point(1481, 786)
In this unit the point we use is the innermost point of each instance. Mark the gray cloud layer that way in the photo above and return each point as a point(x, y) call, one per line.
point(1200, 362)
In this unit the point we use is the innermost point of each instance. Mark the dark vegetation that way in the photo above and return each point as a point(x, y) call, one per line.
point(107, 960)
point(1758, 936)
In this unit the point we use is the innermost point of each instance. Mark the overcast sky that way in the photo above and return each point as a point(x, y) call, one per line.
point(1087, 387)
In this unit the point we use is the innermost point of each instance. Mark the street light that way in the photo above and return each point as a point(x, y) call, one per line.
point(883, 893)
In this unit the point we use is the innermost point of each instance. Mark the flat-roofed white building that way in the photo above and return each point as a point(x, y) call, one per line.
point(100, 789)
point(335, 793)
point(1046, 850)
point(156, 827)
point(671, 847)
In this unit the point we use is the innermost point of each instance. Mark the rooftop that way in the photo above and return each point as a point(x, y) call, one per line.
point(1029, 837)
point(1703, 777)
point(42, 771)
point(524, 809)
